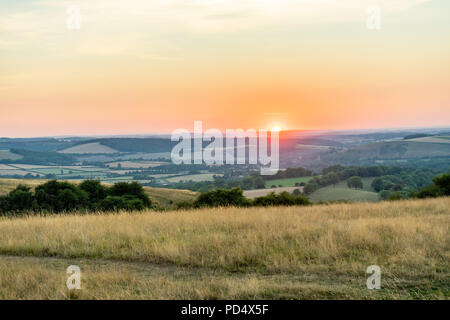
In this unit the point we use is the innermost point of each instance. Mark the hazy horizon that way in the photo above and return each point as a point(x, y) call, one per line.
point(324, 131)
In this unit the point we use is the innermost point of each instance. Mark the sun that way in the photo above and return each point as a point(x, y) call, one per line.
point(276, 129)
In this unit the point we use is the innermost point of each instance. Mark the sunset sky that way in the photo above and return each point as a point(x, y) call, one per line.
point(147, 66)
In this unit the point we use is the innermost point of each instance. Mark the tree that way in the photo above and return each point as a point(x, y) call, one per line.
point(439, 188)
point(95, 191)
point(20, 199)
point(377, 184)
point(133, 189)
point(311, 187)
point(355, 182)
point(56, 196)
point(333, 178)
point(282, 199)
point(112, 203)
point(335, 168)
point(222, 198)
point(443, 183)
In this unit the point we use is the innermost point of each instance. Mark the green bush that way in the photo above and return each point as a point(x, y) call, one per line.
point(282, 199)
point(439, 188)
point(133, 189)
point(56, 196)
point(222, 198)
point(19, 199)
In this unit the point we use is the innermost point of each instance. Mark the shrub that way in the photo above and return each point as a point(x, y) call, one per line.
point(133, 189)
point(112, 203)
point(395, 196)
point(55, 196)
point(19, 199)
point(222, 198)
point(311, 187)
point(439, 188)
point(94, 189)
point(282, 199)
point(443, 183)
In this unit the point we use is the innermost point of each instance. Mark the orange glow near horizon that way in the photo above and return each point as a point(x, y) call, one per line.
point(124, 73)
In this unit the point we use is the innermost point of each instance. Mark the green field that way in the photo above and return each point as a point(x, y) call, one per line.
point(340, 191)
point(288, 182)
point(8, 155)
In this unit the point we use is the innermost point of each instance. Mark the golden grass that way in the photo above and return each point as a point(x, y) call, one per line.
point(45, 278)
point(7, 185)
point(167, 197)
point(333, 244)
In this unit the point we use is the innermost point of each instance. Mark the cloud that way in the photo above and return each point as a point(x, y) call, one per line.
point(111, 27)
point(204, 16)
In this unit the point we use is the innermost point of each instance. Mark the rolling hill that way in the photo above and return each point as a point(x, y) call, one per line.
point(89, 148)
point(392, 150)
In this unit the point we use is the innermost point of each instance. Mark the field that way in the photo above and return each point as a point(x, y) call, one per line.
point(318, 252)
point(263, 192)
point(94, 147)
point(7, 185)
point(7, 155)
point(136, 164)
point(435, 139)
point(340, 191)
point(108, 174)
point(167, 197)
point(288, 182)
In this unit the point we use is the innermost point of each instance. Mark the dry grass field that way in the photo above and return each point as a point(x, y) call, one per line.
point(317, 252)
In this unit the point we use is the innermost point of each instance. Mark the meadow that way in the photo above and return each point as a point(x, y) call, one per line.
point(316, 252)
point(341, 191)
point(251, 194)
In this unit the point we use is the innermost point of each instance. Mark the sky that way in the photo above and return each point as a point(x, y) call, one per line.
point(153, 66)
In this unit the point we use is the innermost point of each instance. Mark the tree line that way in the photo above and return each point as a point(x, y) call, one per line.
point(236, 198)
point(90, 195)
point(388, 178)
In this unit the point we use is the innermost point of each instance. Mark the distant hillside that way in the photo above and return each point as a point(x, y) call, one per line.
point(8, 155)
point(341, 191)
point(35, 157)
point(393, 150)
point(35, 144)
point(130, 145)
point(89, 148)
